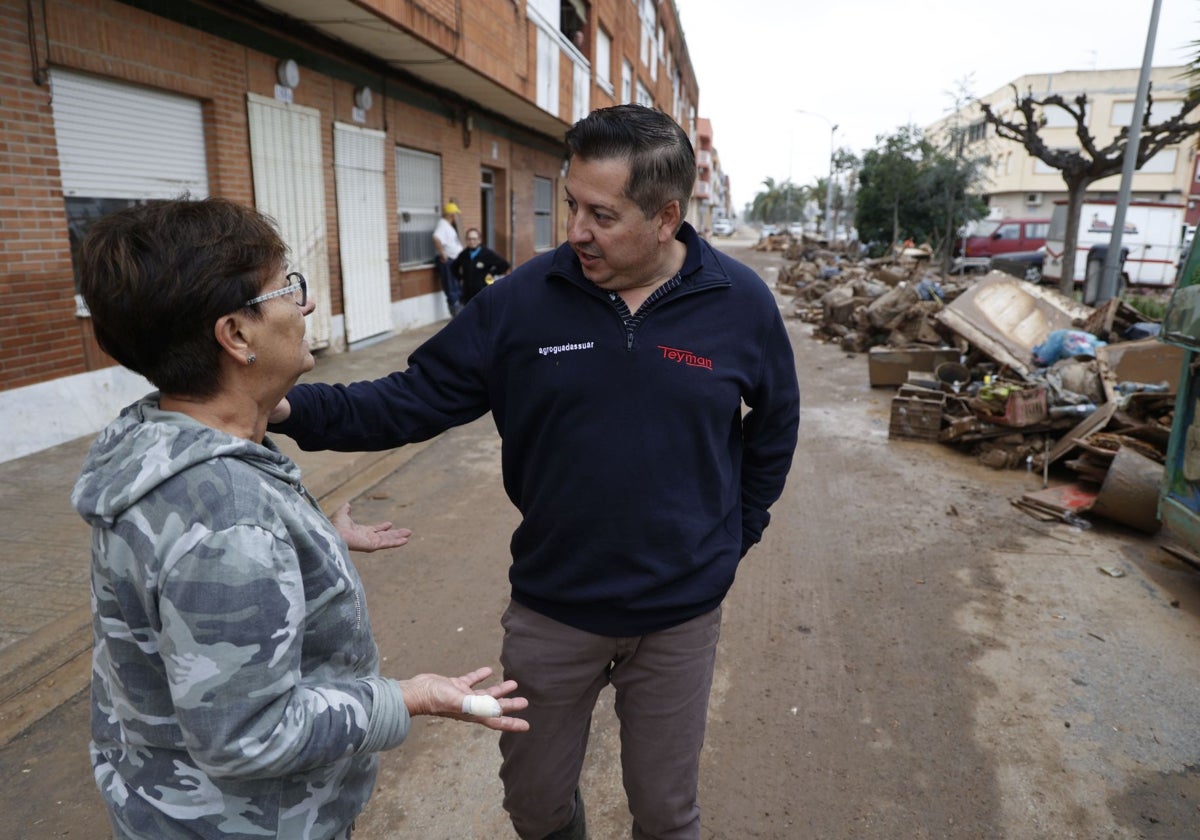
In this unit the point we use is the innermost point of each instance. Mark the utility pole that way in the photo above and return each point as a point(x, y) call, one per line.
point(1112, 261)
point(829, 184)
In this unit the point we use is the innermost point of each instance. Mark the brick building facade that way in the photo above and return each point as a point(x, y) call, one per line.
point(350, 123)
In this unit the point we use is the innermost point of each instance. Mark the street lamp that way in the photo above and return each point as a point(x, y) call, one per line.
point(829, 185)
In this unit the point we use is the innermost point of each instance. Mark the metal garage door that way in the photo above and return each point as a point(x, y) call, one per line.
point(285, 152)
point(358, 155)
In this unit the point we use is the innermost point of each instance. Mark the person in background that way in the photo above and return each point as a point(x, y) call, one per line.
point(448, 245)
point(645, 389)
point(235, 684)
point(477, 266)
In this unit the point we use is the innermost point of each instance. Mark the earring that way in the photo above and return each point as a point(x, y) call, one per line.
point(251, 359)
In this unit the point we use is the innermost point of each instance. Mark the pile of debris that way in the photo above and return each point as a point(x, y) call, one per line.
point(1017, 374)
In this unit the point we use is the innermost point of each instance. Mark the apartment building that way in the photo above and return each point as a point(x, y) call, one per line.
point(350, 122)
point(1020, 185)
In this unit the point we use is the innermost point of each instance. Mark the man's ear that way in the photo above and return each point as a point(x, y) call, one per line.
point(231, 335)
point(669, 219)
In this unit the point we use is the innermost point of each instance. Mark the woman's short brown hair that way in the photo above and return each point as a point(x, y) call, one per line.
point(157, 276)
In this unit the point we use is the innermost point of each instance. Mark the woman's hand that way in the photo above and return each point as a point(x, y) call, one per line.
point(431, 694)
point(367, 537)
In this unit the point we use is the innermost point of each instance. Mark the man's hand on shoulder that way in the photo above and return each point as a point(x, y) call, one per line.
point(280, 412)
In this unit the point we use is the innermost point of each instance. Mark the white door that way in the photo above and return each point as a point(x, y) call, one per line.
point(358, 156)
point(285, 153)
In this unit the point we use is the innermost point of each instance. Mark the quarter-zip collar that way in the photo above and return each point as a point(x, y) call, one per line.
point(701, 268)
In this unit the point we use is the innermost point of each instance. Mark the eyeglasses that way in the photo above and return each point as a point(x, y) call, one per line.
point(297, 288)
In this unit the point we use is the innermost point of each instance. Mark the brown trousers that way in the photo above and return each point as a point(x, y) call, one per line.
point(662, 682)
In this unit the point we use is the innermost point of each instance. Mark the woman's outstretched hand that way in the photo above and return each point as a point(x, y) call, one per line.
point(367, 537)
point(432, 694)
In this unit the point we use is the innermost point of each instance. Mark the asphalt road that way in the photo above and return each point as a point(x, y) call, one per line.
point(905, 655)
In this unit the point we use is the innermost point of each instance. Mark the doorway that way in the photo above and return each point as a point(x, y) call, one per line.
point(487, 203)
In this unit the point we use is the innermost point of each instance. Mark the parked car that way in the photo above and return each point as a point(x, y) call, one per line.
point(770, 230)
point(723, 227)
point(1000, 236)
point(796, 228)
point(1024, 264)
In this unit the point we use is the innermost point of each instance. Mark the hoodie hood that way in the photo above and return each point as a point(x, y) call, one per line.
point(146, 446)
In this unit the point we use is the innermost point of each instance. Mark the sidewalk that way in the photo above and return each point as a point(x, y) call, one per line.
point(45, 614)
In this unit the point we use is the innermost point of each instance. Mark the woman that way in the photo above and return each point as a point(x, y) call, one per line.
point(235, 684)
point(476, 266)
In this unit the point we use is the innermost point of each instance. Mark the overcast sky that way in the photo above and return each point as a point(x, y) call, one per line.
point(871, 66)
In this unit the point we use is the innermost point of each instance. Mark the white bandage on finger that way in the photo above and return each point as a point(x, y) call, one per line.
point(481, 705)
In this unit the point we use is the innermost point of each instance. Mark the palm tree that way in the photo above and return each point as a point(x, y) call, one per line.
point(779, 202)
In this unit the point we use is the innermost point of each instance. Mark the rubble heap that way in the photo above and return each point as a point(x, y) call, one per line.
point(1016, 374)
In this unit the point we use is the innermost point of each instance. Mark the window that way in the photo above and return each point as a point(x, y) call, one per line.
point(643, 96)
point(1163, 162)
point(1036, 230)
point(1040, 167)
point(1160, 111)
point(649, 17)
point(549, 10)
point(547, 71)
point(1057, 117)
point(626, 82)
point(543, 214)
point(1012, 232)
point(418, 200)
point(604, 60)
point(675, 88)
point(976, 131)
point(581, 92)
point(120, 145)
point(573, 22)
point(81, 212)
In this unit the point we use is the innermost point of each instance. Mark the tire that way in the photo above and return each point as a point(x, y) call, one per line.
point(1033, 275)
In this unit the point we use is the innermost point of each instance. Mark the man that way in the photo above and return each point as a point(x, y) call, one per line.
point(477, 266)
point(616, 369)
point(446, 241)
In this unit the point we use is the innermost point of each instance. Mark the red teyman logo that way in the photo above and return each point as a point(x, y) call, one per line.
point(686, 357)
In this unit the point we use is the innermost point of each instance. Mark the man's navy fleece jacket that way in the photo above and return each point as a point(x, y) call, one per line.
point(640, 480)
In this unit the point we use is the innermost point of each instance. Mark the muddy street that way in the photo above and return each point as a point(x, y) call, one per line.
point(905, 655)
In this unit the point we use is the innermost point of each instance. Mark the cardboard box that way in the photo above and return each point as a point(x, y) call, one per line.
point(889, 366)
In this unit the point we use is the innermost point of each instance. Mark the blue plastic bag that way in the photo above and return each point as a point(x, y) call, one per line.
point(1066, 344)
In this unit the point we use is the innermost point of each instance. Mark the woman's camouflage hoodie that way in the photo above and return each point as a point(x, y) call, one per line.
point(235, 680)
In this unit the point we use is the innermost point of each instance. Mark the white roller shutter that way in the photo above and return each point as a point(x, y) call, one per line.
point(358, 159)
point(117, 140)
point(285, 152)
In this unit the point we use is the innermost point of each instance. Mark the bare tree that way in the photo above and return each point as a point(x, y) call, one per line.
point(1091, 162)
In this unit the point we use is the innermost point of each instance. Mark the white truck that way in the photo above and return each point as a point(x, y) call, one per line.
point(1153, 241)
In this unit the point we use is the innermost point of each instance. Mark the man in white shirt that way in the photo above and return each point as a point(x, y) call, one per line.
point(445, 239)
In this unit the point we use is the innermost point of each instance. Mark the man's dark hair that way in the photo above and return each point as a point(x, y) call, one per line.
point(662, 165)
point(157, 276)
